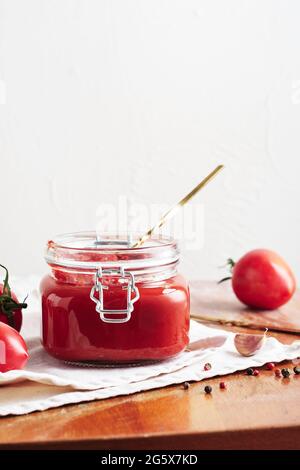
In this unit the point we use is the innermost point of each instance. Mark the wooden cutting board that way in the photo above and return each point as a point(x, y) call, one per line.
point(216, 302)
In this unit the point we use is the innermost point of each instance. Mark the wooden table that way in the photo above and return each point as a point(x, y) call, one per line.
point(253, 413)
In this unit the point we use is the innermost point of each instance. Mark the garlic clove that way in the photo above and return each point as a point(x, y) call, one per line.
point(247, 344)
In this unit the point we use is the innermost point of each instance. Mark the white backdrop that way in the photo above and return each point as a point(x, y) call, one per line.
point(140, 98)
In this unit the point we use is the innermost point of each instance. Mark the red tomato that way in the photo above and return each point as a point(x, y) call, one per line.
point(262, 279)
point(10, 308)
point(13, 350)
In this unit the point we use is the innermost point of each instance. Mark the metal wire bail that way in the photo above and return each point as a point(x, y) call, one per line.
point(130, 287)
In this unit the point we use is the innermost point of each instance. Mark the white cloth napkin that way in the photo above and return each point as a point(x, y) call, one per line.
point(47, 383)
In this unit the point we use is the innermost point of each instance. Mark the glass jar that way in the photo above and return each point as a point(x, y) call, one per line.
point(108, 303)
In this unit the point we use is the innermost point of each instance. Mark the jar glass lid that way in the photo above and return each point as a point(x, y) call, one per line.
point(90, 250)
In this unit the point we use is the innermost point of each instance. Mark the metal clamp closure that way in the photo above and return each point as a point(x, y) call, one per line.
point(107, 315)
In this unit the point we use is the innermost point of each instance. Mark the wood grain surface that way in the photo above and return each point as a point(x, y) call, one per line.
point(253, 413)
point(213, 301)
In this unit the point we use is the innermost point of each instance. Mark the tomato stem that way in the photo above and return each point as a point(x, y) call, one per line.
point(7, 304)
point(230, 265)
point(6, 288)
point(224, 279)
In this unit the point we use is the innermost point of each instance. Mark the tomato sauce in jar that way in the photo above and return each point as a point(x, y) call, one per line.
point(107, 303)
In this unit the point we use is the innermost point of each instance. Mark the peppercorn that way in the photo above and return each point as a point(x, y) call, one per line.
point(186, 385)
point(270, 365)
point(207, 389)
point(222, 385)
point(207, 366)
point(285, 373)
point(297, 370)
point(277, 372)
point(249, 371)
point(256, 372)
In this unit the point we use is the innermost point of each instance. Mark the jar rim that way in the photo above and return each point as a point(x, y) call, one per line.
point(86, 250)
point(155, 241)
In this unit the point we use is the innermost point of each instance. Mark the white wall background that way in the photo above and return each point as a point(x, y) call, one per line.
point(142, 98)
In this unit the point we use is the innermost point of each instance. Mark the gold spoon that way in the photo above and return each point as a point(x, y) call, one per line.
point(171, 212)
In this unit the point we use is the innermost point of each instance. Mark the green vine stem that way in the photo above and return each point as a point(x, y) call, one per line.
point(230, 265)
point(7, 304)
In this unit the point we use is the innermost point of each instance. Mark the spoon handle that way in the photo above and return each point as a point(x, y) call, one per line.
point(171, 212)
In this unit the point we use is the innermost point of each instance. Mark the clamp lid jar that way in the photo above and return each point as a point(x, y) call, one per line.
point(104, 301)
